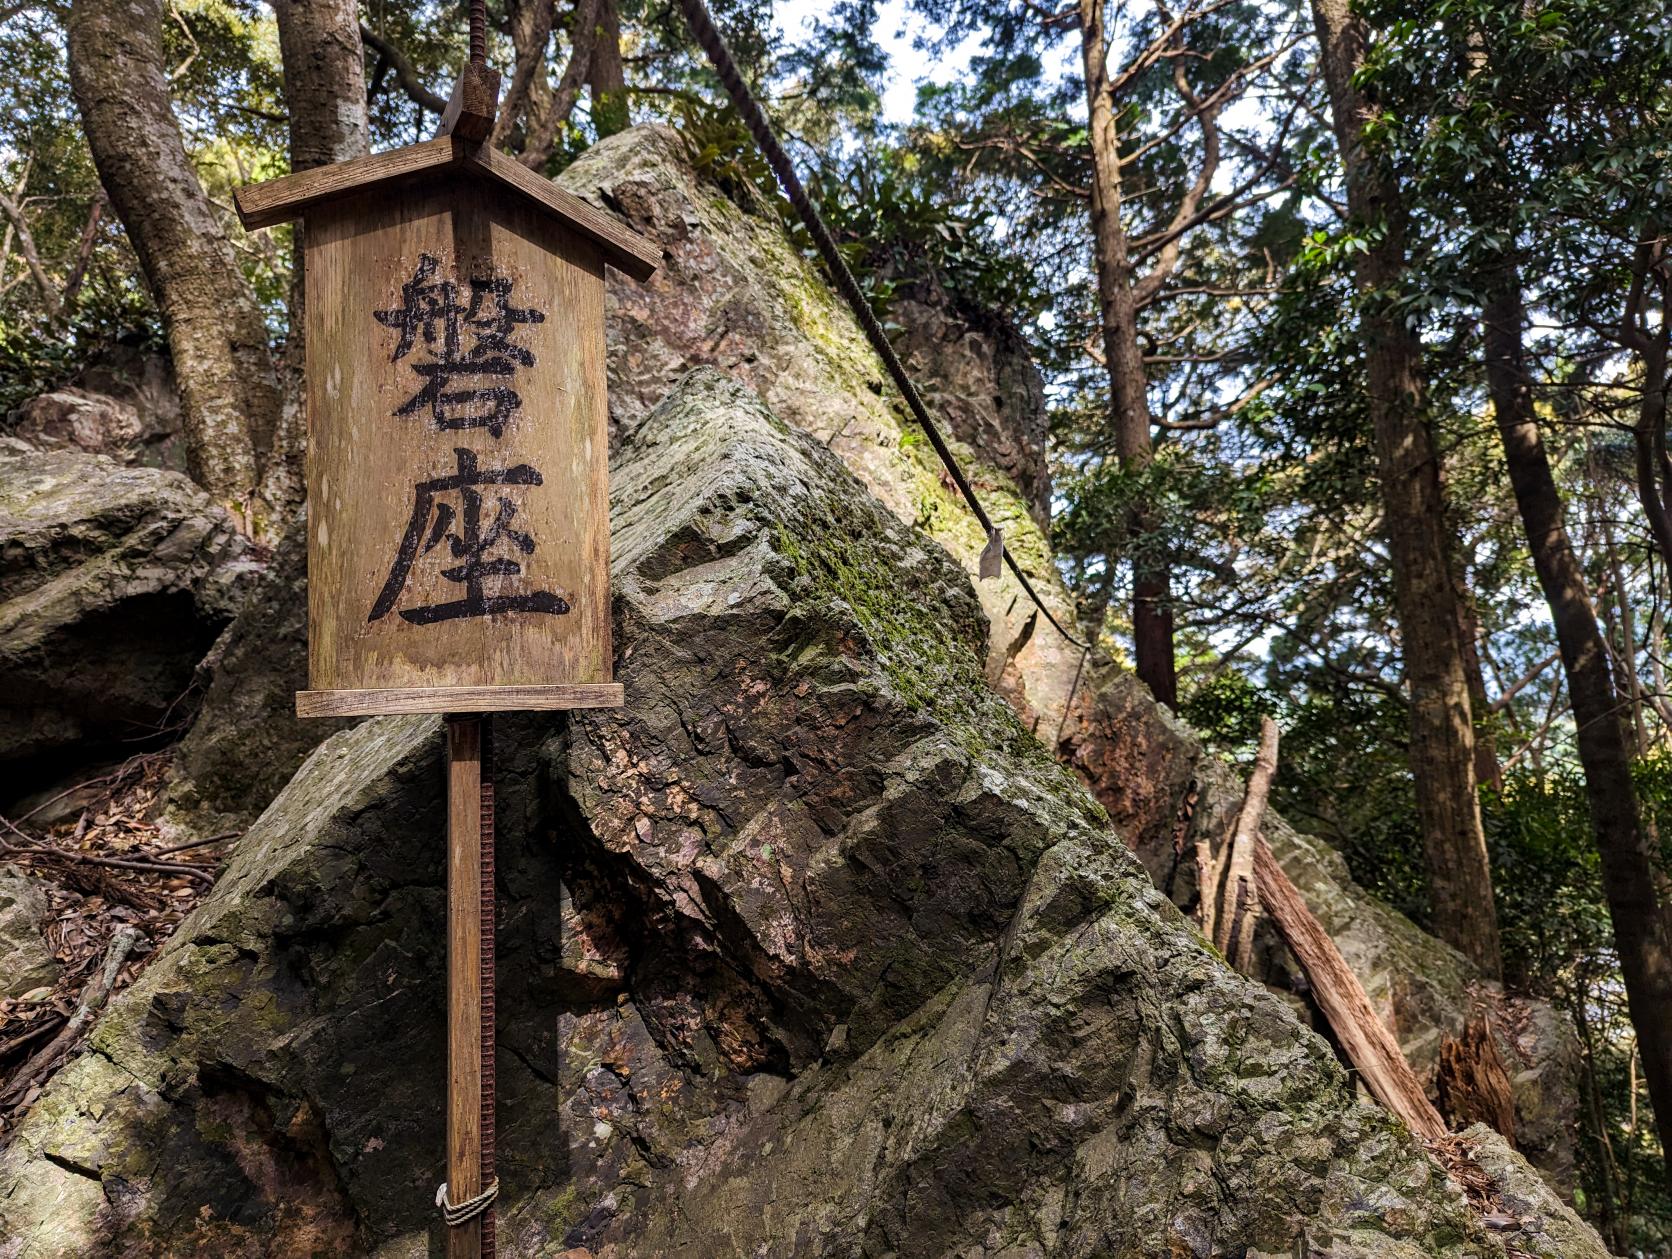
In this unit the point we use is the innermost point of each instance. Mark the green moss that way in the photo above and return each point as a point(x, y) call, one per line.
point(563, 1211)
point(942, 512)
point(931, 664)
point(929, 669)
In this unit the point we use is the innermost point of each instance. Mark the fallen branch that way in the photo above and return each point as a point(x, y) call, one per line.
point(1207, 883)
point(1362, 1035)
point(115, 776)
point(93, 997)
point(9, 1047)
point(49, 853)
point(1239, 898)
point(195, 843)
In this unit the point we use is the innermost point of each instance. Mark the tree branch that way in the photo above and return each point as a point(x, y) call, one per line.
point(531, 55)
point(31, 256)
point(405, 75)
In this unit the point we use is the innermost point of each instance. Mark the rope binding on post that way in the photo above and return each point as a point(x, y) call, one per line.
point(459, 1214)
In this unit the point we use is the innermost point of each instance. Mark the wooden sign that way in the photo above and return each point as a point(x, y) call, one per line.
point(457, 466)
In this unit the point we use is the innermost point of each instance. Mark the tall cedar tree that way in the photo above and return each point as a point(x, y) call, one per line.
point(1442, 754)
point(1156, 83)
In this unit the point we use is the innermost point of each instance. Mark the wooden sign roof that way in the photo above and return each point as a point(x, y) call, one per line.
point(292, 196)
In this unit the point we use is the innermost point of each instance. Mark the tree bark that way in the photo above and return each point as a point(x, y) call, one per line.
point(607, 76)
point(1152, 603)
point(324, 81)
point(1629, 874)
point(216, 334)
point(1488, 769)
point(543, 128)
point(325, 94)
point(84, 249)
point(1442, 730)
point(1654, 466)
point(1359, 1030)
point(1239, 897)
point(529, 93)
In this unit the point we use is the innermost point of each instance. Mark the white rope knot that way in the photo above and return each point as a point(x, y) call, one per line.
point(463, 1212)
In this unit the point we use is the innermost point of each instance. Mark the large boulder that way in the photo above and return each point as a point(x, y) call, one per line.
point(733, 293)
point(809, 950)
point(114, 581)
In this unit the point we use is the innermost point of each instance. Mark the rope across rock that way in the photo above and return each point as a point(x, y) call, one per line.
point(760, 129)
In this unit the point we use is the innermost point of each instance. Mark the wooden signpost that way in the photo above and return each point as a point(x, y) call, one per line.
point(458, 497)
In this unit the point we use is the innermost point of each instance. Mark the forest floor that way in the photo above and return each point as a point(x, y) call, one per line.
point(115, 893)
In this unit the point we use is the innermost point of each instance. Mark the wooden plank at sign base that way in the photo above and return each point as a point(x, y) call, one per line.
point(457, 699)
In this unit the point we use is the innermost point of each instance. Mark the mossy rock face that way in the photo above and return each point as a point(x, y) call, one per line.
point(733, 293)
point(809, 950)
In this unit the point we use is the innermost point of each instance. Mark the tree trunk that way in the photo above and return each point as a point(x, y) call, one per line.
point(1654, 464)
point(1152, 604)
point(529, 93)
point(1629, 874)
point(324, 81)
point(1488, 769)
point(216, 334)
point(606, 76)
point(1442, 731)
point(544, 123)
point(325, 94)
point(1625, 656)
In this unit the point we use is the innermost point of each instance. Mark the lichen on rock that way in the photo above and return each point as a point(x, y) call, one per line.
point(734, 294)
point(25, 961)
